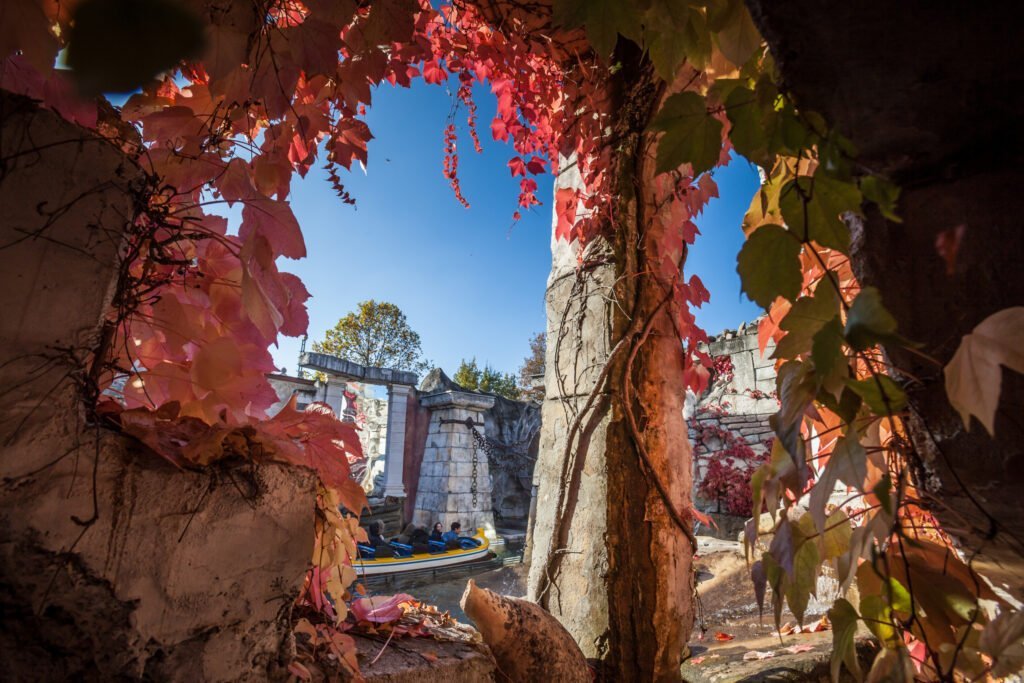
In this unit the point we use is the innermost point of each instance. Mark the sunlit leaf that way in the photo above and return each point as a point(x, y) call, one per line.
point(692, 135)
point(807, 316)
point(880, 393)
point(813, 206)
point(769, 265)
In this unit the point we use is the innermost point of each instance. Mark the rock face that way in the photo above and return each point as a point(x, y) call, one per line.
point(513, 429)
point(527, 642)
point(179, 575)
point(114, 564)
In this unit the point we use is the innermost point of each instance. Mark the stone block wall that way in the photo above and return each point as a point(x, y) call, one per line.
point(733, 412)
point(446, 475)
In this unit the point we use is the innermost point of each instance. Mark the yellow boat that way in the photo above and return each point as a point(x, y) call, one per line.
point(417, 561)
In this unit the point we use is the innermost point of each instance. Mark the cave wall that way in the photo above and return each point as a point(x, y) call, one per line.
point(931, 94)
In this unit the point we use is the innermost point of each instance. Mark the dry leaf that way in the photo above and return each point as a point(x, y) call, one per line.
point(752, 655)
point(974, 376)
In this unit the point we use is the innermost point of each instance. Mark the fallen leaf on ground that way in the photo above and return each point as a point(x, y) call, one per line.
point(723, 636)
point(796, 649)
point(752, 655)
point(697, 660)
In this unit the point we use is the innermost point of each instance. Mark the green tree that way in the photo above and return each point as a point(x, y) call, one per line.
point(532, 366)
point(468, 375)
point(376, 334)
point(488, 380)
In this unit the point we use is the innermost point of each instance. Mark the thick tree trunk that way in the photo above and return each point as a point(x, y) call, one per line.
point(608, 559)
point(945, 125)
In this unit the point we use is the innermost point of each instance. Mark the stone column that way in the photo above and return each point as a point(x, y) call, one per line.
point(445, 492)
point(394, 453)
point(334, 396)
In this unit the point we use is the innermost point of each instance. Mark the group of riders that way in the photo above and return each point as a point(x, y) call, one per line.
point(414, 540)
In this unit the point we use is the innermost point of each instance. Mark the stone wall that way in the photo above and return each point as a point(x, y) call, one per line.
point(735, 408)
point(454, 481)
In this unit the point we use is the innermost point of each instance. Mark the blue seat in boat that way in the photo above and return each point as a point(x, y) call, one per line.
point(468, 543)
point(437, 546)
point(366, 551)
point(401, 549)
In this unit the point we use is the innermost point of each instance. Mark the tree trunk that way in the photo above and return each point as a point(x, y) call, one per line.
point(607, 558)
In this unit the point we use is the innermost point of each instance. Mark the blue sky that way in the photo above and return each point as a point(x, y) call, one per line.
point(470, 283)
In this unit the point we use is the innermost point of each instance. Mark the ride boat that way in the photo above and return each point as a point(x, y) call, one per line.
point(472, 548)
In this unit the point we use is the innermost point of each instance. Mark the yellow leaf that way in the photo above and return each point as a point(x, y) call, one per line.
point(973, 376)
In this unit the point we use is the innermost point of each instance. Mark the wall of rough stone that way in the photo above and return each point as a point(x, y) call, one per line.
point(738, 401)
point(115, 564)
point(513, 431)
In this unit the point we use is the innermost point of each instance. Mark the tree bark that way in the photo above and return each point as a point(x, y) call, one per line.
point(608, 558)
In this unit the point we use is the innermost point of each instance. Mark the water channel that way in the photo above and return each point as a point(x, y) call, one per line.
point(503, 573)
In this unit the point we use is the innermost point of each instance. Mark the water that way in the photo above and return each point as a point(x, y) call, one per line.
point(443, 587)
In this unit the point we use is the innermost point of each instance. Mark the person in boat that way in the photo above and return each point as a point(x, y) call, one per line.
point(437, 534)
point(378, 542)
point(451, 538)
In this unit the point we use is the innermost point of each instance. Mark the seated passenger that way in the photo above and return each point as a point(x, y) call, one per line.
point(378, 542)
point(374, 532)
point(436, 534)
point(419, 536)
point(451, 538)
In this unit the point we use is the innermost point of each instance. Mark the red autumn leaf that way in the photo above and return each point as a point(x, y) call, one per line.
point(235, 182)
point(516, 166)
point(381, 609)
point(947, 244)
point(498, 130)
point(565, 213)
point(434, 73)
point(274, 221)
point(314, 45)
point(536, 166)
point(316, 439)
point(722, 636)
point(698, 293)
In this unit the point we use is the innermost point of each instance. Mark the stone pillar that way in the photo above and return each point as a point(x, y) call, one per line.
point(394, 454)
point(445, 492)
point(334, 396)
